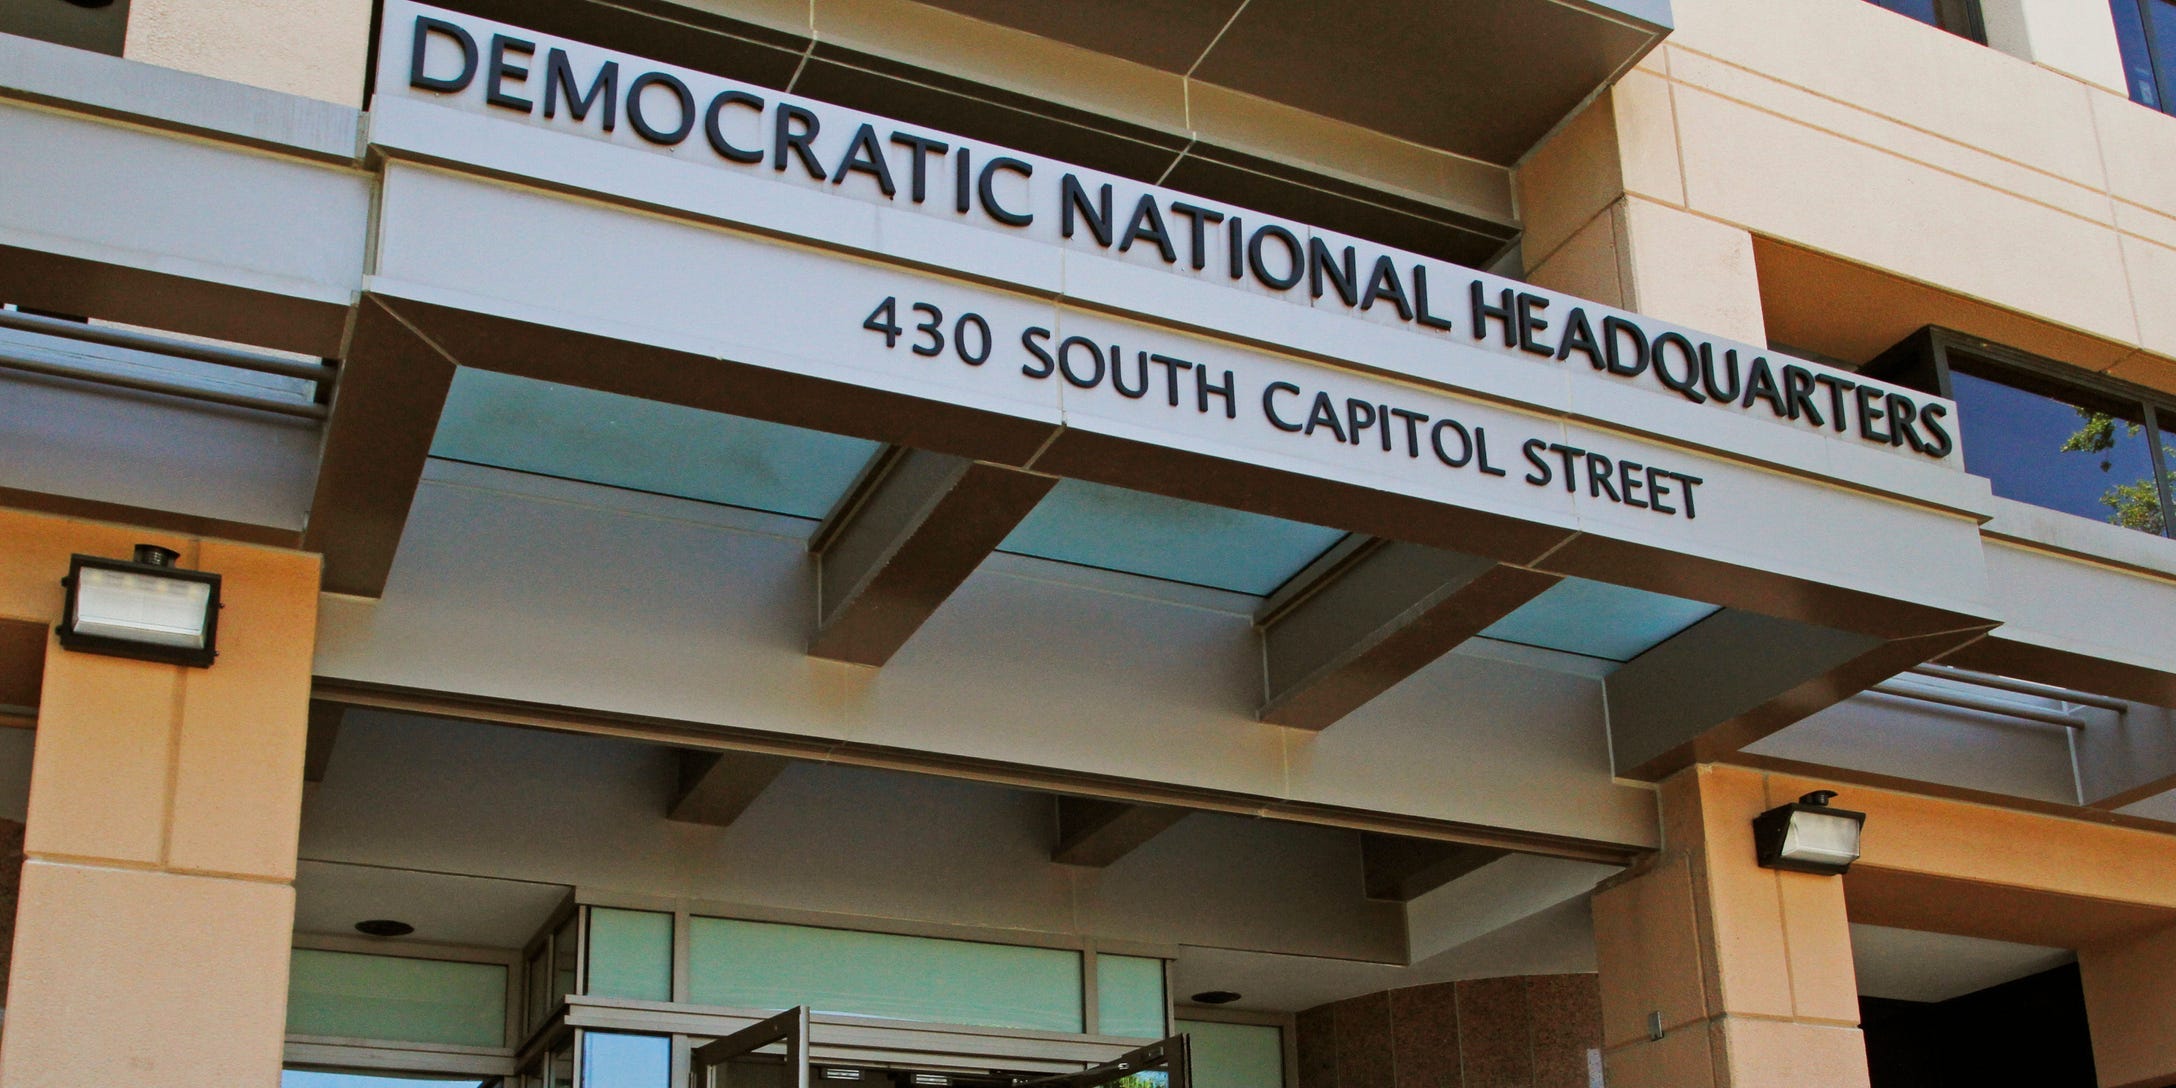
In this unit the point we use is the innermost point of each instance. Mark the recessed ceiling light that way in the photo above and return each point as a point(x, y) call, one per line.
point(1215, 997)
point(384, 927)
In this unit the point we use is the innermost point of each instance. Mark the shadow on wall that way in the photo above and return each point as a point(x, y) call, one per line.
point(1533, 1031)
point(11, 880)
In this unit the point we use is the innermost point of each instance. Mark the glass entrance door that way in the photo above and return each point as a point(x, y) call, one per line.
point(739, 1061)
point(1163, 1064)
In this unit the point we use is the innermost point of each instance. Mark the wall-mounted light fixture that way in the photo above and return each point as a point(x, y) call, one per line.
point(1808, 836)
point(145, 608)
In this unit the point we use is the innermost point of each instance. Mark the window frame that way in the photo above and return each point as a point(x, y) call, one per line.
point(1923, 361)
point(1962, 18)
point(396, 1057)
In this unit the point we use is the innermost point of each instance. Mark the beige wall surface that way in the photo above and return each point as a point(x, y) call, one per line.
point(1847, 131)
point(314, 48)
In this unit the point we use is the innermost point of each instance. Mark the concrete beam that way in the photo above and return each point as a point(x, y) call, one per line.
point(385, 409)
point(2125, 756)
point(1096, 833)
point(915, 526)
point(1738, 676)
point(2005, 656)
point(716, 787)
point(1372, 614)
point(1401, 869)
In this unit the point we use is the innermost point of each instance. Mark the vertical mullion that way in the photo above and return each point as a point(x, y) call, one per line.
point(1091, 990)
point(2163, 487)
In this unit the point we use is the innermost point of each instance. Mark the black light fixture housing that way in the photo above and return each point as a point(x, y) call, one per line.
point(1215, 997)
point(384, 927)
point(145, 608)
point(1807, 836)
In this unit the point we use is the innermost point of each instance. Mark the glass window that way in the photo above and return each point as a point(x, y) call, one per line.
point(612, 1060)
point(630, 954)
point(321, 1078)
point(559, 1066)
point(2058, 446)
point(2146, 29)
point(566, 955)
point(1959, 17)
point(354, 996)
point(1130, 996)
point(1236, 1055)
point(768, 966)
point(537, 987)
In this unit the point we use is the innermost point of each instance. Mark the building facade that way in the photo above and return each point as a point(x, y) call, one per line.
point(1234, 542)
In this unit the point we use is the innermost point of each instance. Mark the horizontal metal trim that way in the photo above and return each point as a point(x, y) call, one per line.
point(855, 1040)
point(2022, 687)
point(12, 360)
point(1976, 703)
point(113, 336)
point(397, 1057)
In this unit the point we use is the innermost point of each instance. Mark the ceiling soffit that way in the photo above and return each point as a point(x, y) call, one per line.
point(1482, 80)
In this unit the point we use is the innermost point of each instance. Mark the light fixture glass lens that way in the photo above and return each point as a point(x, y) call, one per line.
point(1822, 838)
point(141, 607)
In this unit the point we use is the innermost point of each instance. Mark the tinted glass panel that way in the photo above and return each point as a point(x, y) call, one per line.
point(2138, 73)
point(1598, 620)
point(626, 1061)
point(1236, 1055)
point(1172, 539)
point(767, 966)
point(1130, 996)
point(2063, 451)
point(1922, 10)
point(630, 954)
point(645, 445)
point(2161, 42)
point(566, 955)
point(352, 996)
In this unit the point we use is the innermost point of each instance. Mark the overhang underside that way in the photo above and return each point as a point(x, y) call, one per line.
point(1431, 73)
point(1699, 696)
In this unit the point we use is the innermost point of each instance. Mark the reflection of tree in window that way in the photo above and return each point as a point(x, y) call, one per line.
point(2133, 505)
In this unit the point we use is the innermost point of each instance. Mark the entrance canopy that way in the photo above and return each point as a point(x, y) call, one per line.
point(975, 347)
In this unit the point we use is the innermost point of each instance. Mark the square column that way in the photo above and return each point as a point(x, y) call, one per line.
point(157, 904)
point(1717, 973)
point(2074, 37)
point(2130, 1003)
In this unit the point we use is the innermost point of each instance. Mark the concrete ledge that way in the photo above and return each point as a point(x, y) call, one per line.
point(81, 81)
point(2082, 538)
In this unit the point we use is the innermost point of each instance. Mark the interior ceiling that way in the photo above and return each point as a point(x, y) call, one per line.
point(1909, 965)
point(1481, 80)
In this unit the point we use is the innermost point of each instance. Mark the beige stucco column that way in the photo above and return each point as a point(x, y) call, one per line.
point(1607, 218)
point(157, 899)
point(1744, 973)
point(2130, 1002)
